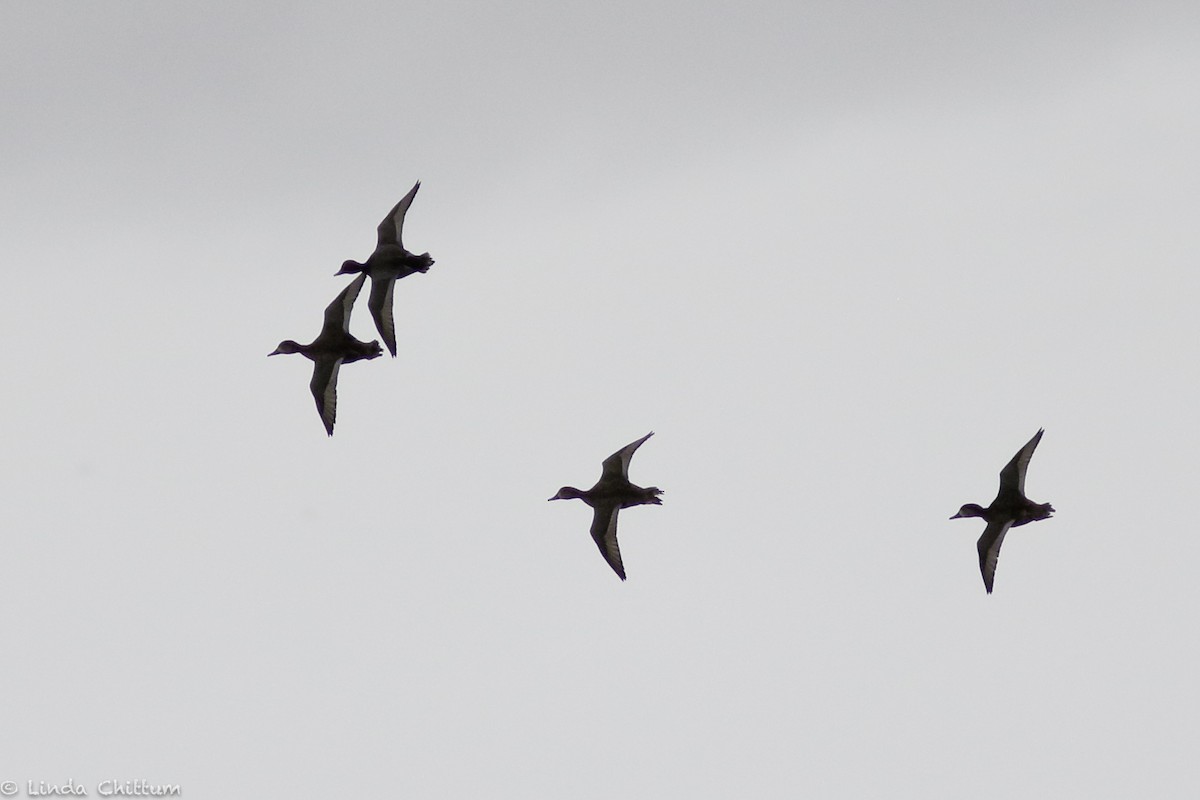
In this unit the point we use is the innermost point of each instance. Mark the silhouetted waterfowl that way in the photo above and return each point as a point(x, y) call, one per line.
point(610, 494)
point(334, 347)
point(386, 265)
point(1010, 509)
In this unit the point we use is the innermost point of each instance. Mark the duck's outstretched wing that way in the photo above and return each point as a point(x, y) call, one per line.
point(604, 531)
point(380, 304)
point(337, 313)
point(1013, 474)
point(324, 389)
point(989, 550)
point(617, 465)
point(392, 228)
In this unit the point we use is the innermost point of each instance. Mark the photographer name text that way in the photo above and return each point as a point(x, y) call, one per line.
point(108, 788)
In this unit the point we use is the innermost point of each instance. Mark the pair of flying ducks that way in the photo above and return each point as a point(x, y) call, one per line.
point(335, 345)
point(614, 491)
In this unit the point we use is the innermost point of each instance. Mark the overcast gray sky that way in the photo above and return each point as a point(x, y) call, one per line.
point(845, 258)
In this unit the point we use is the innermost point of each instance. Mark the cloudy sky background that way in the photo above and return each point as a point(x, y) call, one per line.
point(844, 258)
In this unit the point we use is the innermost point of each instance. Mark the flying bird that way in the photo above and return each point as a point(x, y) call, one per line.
point(334, 347)
point(386, 265)
point(610, 494)
point(1010, 509)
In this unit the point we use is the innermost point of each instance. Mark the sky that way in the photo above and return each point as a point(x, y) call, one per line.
point(844, 258)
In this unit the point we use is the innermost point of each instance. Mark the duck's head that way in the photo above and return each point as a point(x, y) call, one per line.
point(969, 510)
point(286, 347)
point(350, 267)
point(567, 493)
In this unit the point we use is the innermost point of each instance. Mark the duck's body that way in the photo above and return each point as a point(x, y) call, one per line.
point(389, 263)
point(332, 348)
point(610, 494)
point(1010, 509)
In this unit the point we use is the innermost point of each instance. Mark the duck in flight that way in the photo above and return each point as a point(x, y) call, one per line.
point(1010, 509)
point(610, 494)
point(334, 347)
point(386, 265)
